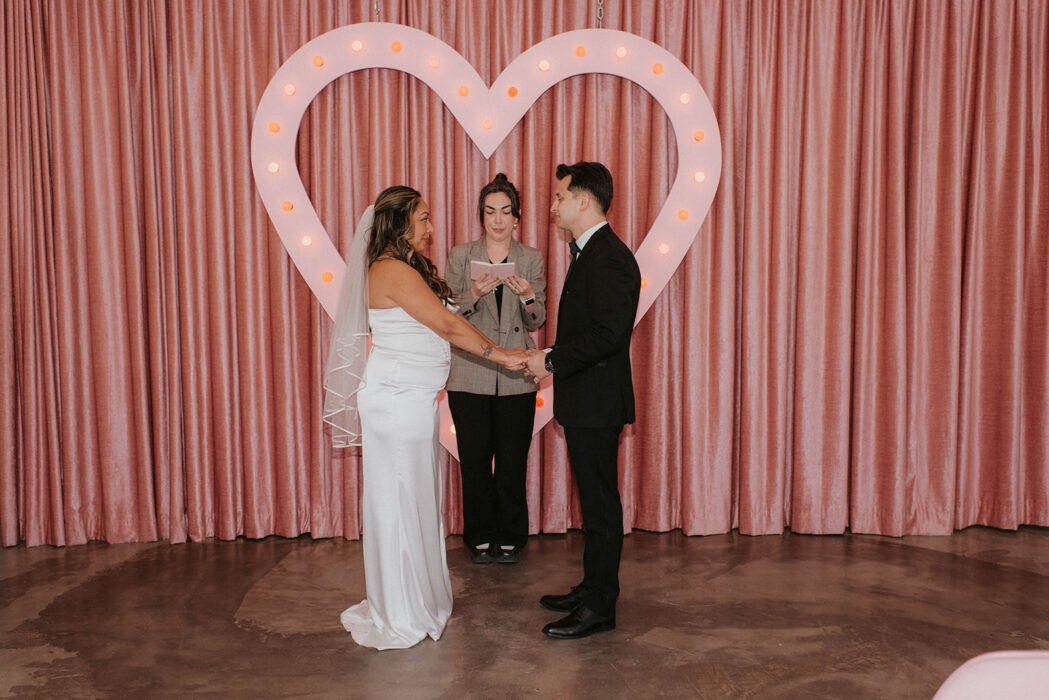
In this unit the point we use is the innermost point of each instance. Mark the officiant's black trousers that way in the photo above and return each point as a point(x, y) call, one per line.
point(495, 508)
point(594, 453)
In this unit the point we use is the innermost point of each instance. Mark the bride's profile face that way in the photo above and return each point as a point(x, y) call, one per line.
point(422, 230)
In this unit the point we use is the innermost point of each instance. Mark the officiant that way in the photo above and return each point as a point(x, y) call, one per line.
point(499, 284)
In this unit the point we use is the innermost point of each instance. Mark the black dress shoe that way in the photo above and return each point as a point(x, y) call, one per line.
point(581, 622)
point(565, 603)
point(481, 556)
point(507, 556)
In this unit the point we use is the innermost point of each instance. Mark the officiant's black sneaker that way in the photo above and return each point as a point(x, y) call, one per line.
point(581, 622)
point(481, 556)
point(565, 603)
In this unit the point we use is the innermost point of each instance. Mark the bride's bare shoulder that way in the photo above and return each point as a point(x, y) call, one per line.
point(388, 279)
point(387, 266)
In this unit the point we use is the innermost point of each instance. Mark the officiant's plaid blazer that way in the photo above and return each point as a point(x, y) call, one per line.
point(508, 328)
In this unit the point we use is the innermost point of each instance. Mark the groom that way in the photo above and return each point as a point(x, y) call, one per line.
point(593, 389)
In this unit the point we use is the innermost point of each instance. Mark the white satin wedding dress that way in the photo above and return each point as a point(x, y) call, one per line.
point(409, 593)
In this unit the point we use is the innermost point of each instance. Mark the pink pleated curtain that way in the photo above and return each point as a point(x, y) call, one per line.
point(857, 340)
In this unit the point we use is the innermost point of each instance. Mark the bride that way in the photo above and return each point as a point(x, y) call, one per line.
point(386, 401)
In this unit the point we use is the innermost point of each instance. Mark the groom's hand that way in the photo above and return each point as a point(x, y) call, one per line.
point(536, 365)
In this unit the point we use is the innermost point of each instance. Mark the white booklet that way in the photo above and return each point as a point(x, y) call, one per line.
point(500, 271)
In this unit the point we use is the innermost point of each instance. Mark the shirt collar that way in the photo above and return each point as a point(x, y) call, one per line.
point(582, 240)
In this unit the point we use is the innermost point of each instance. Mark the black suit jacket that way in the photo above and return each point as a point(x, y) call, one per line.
point(593, 386)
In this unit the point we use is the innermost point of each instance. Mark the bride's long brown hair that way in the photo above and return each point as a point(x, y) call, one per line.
point(391, 230)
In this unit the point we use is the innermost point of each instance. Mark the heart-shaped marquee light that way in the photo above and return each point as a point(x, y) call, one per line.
point(487, 115)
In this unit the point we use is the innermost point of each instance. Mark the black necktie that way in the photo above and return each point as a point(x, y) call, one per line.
point(574, 247)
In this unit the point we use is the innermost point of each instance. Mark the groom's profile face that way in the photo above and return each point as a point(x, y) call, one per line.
point(566, 205)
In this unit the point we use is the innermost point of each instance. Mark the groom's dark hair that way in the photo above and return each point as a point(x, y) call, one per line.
point(591, 177)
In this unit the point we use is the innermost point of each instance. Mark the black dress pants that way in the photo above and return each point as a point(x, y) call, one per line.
point(495, 508)
point(594, 453)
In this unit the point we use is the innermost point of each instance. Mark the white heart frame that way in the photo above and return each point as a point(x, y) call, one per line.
point(487, 115)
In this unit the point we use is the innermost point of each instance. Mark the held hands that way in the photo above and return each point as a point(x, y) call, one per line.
point(511, 359)
point(535, 365)
point(521, 360)
point(483, 285)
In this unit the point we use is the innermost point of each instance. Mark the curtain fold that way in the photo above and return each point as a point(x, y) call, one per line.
point(857, 340)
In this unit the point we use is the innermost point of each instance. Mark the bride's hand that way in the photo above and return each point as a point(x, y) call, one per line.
point(513, 359)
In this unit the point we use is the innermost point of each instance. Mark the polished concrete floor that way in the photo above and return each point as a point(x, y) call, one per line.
point(707, 617)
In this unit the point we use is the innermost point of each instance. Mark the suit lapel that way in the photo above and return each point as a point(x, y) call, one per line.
point(572, 302)
point(586, 254)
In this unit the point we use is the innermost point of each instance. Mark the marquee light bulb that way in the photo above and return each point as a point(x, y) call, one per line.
point(682, 214)
point(289, 89)
point(580, 51)
point(699, 176)
point(621, 52)
point(657, 68)
point(287, 205)
point(544, 65)
point(307, 241)
point(327, 277)
point(396, 47)
point(685, 98)
point(356, 45)
point(318, 61)
point(274, 127)
point(664, 249)
point(464, 91)
point(273, 167)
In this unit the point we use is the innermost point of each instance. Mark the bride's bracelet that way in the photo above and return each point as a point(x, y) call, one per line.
point(487, 350)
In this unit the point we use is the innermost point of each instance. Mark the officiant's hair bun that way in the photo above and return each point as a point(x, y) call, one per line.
point(500, 184)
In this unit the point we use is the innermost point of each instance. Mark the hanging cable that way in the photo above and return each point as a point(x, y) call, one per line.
point(600, 13)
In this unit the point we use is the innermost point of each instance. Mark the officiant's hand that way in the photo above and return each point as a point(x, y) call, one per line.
point(520, 286)
point(483, 285)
